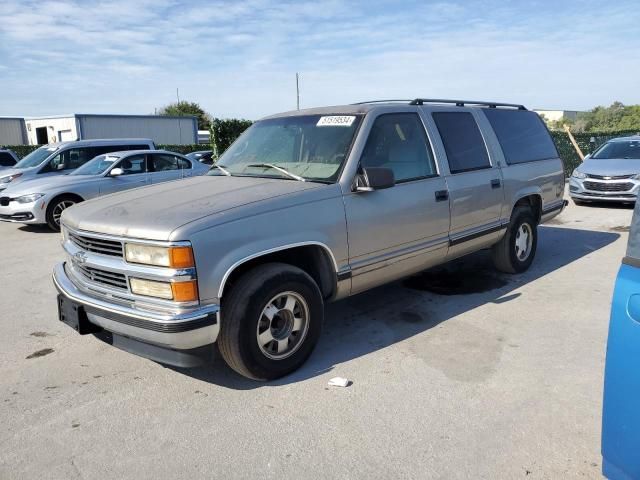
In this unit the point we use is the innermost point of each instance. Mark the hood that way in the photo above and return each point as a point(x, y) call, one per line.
point(610, 167)
point(47, 184)
point(154, 212)
point(14, 171)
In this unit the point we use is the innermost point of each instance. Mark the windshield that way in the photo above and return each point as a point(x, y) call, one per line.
point(36, 157)
point(313, 147)
point(619, 149)
point(97, 166)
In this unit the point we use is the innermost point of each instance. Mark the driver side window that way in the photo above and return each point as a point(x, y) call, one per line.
point(398, 141)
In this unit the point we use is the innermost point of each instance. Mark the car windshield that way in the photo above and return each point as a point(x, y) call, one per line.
point(619, 149)
point(97, 166)
point(36, 157)
point(309, 147)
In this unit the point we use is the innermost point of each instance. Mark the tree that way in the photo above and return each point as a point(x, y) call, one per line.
point(617, 117)
point(180, 109)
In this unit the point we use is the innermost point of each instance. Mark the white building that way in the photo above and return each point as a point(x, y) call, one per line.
point(79, 126)
point(12, 131)
point(555, 115)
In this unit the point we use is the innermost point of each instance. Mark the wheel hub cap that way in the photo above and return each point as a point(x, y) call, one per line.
point(524, 237)
point(283, 325)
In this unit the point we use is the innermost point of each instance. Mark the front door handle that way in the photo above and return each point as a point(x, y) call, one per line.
point(495, 183)
point(442, 195)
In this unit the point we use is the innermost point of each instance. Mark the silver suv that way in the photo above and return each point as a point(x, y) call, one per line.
point(304, 208)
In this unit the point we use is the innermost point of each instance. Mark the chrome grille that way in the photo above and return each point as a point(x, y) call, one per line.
point(104, 277)
point(609, 177)
point(97, 245)
point(608, 187)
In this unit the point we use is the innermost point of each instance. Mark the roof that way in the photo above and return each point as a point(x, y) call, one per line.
point(106, 141)
point(365, 107)
point(108, 115)
point(634, 138)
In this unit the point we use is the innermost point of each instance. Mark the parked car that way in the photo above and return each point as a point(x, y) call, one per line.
point(204, 156)
point(621, 413)
point(611, 173)
point(43, 200)
point(304, 208)
point(8, 158)
point(62, 158)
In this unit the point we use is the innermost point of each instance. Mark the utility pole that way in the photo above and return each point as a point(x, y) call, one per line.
point(178, 95)
point(297, 91)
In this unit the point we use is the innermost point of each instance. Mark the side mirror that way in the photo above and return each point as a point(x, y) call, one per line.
point(375, 178)
point(587, 156)
point(60, 166)
point(115, 172)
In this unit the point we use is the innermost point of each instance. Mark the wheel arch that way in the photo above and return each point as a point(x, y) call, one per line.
point(314, 258)
point(532, 199)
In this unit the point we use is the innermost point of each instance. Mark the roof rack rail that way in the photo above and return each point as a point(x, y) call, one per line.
point(462, 103)
point(383, 101)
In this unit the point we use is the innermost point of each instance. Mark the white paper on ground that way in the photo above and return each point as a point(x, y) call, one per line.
point(338, 382)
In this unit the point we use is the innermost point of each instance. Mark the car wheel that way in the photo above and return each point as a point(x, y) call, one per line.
point(516, 250)
point(55, 209)
point(270, 321)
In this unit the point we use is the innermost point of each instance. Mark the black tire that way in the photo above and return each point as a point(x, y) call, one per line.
point(243, 310)
point(53, 210)
point(505, 254)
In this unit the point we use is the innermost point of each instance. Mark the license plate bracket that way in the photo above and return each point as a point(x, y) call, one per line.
point(74, 315)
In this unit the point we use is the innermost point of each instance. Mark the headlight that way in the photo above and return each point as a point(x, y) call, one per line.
point(177, 291)
point(10, 178)
point(174, 257)
point(578, 174)
point(636, 177)
point(32, 197)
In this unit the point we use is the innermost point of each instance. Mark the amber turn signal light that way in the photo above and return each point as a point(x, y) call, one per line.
point(181, 257)
point(185, 291)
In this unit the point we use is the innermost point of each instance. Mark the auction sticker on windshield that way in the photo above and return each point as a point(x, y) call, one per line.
point(336, 121)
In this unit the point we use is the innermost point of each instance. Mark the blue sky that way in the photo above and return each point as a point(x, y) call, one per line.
point(238, 59)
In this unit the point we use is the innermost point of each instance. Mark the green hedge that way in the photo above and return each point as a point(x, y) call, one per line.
point(569, 154)
point(225, 131)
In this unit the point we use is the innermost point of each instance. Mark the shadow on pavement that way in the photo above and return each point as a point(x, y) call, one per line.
point(37, 228)
point(392, 313)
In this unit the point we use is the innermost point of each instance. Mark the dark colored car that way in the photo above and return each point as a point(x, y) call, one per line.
point(203, 156)
point(8, 158)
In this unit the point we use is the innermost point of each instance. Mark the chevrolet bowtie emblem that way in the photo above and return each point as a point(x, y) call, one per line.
point(80, 257)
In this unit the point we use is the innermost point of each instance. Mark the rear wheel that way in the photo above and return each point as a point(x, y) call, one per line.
point(515, 252)
point(55, 209)
point(270, 321)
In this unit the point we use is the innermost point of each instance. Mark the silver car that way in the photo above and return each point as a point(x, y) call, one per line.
point(611, 173)
point(43, 200)
point(64, 157)
point(305, 207)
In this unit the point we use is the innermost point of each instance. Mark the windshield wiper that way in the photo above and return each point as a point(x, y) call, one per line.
point(222, 169)
point(280, 169)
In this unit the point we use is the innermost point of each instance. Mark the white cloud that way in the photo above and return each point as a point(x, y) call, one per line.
point(240, 58)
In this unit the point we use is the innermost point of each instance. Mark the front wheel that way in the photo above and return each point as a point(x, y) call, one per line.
point(270, 321)
point(515, 252)
point(55, 209)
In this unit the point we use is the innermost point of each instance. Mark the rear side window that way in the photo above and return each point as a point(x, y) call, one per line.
point(6, 160)
point(462, 141)
point(162, 162)
point(522, 135)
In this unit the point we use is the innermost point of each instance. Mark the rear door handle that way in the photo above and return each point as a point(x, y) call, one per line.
point(442, 195)
point(495, 183)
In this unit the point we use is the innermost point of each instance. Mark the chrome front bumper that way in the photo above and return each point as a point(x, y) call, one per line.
point(579, 191)
point(186, 330)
